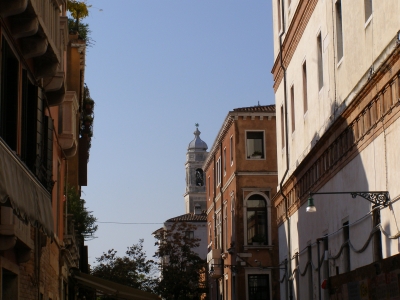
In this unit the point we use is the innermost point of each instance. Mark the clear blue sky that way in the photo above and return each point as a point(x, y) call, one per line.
point(158, 67)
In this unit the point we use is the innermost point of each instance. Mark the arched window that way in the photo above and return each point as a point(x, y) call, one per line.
point(199, 177)
point(257, 232)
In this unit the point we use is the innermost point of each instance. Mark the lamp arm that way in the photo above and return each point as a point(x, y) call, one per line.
point(378, 198)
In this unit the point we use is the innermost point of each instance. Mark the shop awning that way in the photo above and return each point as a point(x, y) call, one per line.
point(21, 190)
point(111, 288)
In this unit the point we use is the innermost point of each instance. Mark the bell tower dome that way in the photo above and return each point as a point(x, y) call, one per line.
point(195, 194)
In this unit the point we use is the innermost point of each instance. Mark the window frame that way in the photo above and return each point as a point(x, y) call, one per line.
point(305, 98)
point(339, 31)
point(231, 149)
point(320, 61)
point(218, 227)
point(260, 272)
point(263, 151)
point(293, 114)
point(224, 160)
point(280, 17)
point(218, 172)
point(189, 234)
point(283, 142)
point(268, 216)
point(368, 11)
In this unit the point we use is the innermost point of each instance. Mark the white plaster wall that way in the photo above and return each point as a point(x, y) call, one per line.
point(201, 233)
point(366, 172)
point(362, 43)
point(318, 110)
point(377, 167)
point(369, 171)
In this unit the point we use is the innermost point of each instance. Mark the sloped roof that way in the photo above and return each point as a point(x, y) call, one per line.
point(190, 217)
point(258, 108)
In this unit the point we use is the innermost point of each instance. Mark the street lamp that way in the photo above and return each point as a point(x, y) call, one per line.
point(377, 198)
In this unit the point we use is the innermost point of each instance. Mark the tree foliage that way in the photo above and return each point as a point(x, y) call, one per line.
point(84, 221)
point(133, 269)
point(182, 270)
point(79, 10)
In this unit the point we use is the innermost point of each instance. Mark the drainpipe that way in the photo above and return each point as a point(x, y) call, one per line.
point(289, 268)
point(215, 223)
point(222, 220)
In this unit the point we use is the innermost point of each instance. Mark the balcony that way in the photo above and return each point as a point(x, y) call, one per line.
point(36, 25)
point(214, 263)
point(70, 253)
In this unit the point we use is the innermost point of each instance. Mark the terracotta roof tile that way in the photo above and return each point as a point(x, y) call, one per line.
point(190, 217)
point(257, 108)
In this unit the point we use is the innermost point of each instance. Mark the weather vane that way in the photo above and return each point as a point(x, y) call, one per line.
point(197, 124)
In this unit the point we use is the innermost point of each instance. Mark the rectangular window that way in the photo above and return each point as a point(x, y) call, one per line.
point(320, 63)
point(377, 238)
point(346, 249)
point(292, 109)
point(305, 101)
point(231, 149)
point(282, 128)
point(309, 272)
point(9, 96)
point(209, 187)
point(279, 16)
point(367, 9)
point(255, 144)
point(218, 172)
point(189, 234)
point(258, 287)
point(225, 226)
point(29, 121)
point(219, 231)
point(339, 30)
point(224, 158)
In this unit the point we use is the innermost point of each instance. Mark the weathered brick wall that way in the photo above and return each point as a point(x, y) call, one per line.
point(48, 282)
point(379, 280)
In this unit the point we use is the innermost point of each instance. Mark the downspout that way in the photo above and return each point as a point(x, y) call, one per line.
point(215, 227)
point(222, 220)
point(289, 268)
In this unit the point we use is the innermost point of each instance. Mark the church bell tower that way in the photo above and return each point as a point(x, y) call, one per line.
point(195, 194)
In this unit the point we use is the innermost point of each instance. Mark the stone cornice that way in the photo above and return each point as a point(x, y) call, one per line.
point(220, 136)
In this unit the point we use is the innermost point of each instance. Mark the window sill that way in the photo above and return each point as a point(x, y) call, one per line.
point(249, 247)
point(255, 158)
point(339, 62)
point(368, 22)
